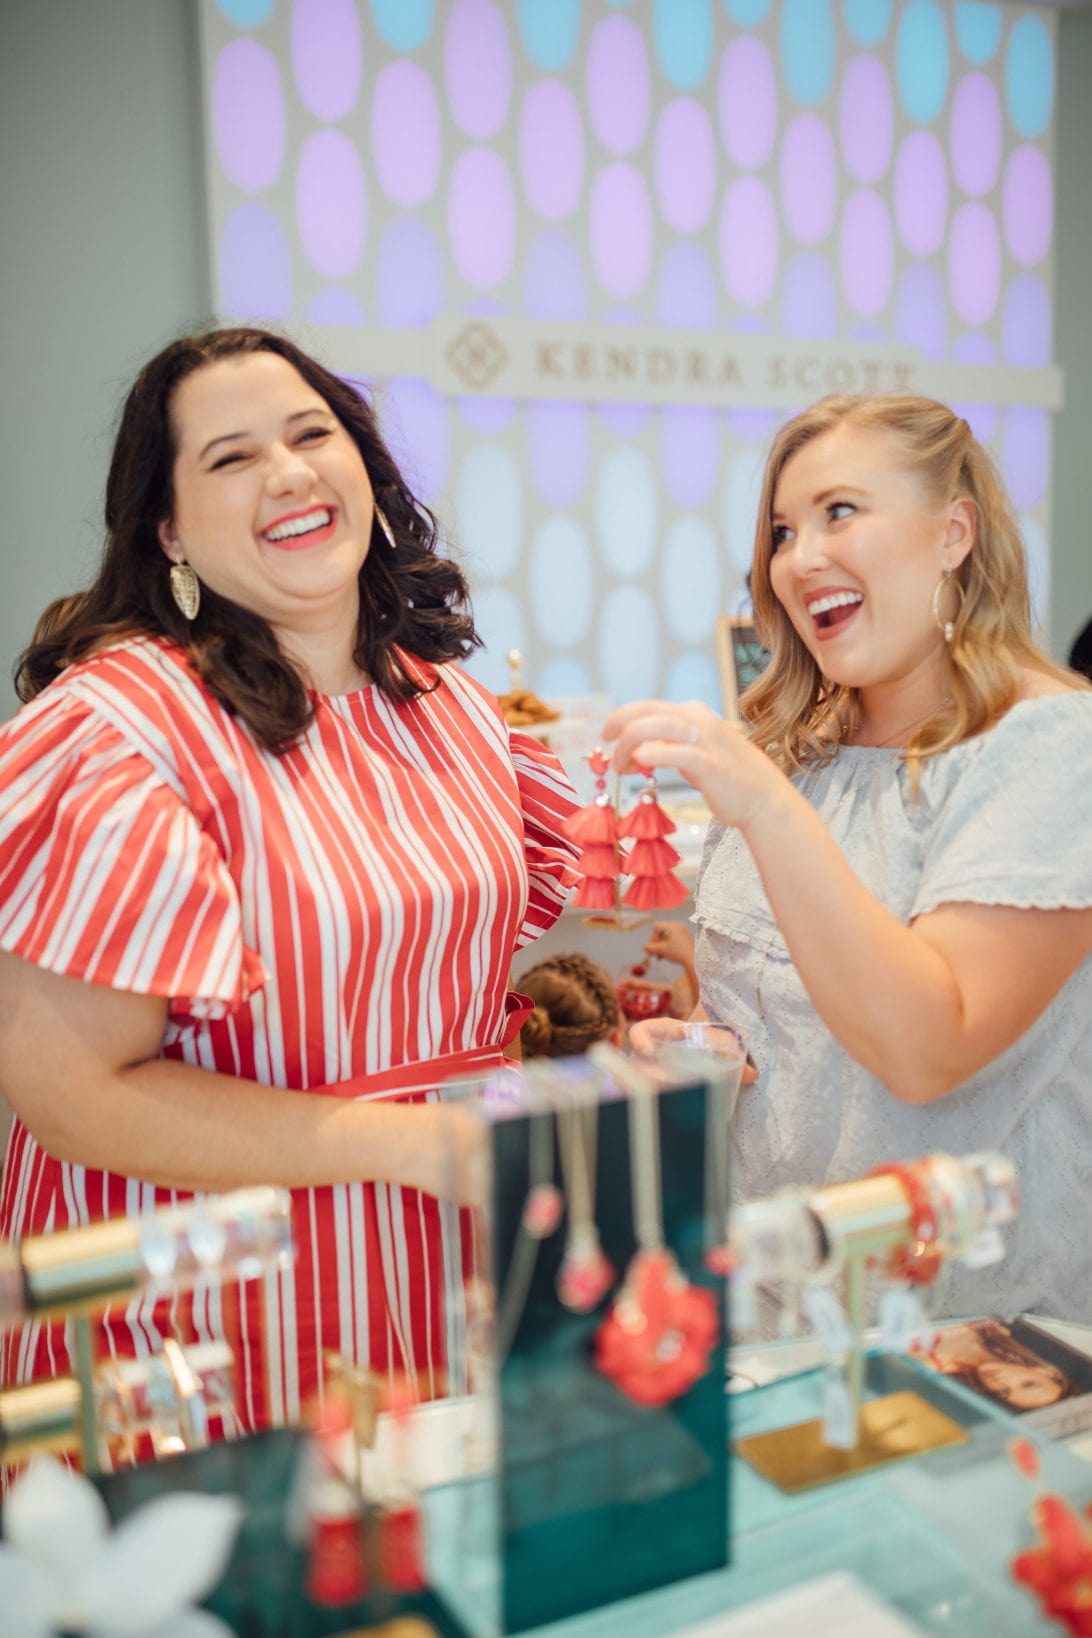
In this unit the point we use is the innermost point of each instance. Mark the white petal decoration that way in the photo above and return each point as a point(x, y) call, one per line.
point(25, 1596)
point(163, 1557)
point(56, 1518)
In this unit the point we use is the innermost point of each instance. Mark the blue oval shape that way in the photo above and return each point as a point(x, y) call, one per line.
point(808, 49)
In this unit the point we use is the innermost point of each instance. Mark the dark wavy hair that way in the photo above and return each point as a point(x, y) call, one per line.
point(413, 601)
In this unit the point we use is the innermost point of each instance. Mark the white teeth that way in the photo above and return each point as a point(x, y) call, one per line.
point(837, 600)
point(318, 519)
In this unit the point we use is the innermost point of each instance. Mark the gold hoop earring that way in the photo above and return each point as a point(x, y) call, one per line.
point(947, 627)
point(185, 589)
point(381, 519)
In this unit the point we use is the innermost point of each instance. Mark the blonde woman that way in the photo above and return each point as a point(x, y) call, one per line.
point(896, 892)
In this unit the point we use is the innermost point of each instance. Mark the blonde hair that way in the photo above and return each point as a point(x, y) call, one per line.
point(791, 709)
point(575, 1005)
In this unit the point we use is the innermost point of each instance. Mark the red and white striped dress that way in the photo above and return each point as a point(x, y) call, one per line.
point(346, 909)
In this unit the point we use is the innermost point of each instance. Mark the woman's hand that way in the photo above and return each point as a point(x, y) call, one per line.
point(671, 942)
point(739, 782)
point(453, 1149)
point(649, 1033)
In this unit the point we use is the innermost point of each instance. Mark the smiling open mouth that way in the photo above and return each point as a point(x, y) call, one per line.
point(831, 612)
point(305, 529)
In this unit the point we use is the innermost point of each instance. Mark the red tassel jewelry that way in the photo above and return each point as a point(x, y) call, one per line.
point(594, 829)
point(652, 860)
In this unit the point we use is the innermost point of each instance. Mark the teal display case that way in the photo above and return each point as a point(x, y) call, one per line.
point(931, 1535)
point(595, 1496)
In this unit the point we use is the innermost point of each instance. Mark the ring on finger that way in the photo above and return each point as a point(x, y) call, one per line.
point(692, 736)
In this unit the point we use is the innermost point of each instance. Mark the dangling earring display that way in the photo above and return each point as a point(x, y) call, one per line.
point(586, 1274)
point(185, 589)
point(658, 1336)
point(947, 627)
point(388, 532)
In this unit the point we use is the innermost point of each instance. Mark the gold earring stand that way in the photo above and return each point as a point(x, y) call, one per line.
point(863, 1220)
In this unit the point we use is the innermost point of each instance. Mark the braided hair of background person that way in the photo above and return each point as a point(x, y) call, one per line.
point(576, 1005)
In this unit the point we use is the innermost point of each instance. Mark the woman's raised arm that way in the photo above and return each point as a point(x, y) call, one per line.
point(922, 1007)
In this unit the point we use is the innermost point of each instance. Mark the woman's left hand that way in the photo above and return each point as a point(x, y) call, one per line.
point(739, 782)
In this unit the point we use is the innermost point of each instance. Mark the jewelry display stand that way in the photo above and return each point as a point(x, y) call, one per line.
point(906, 1222)
point(607, 1411)
point(107, 1405)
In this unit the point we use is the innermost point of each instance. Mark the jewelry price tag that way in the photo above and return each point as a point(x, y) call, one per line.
point(902, 1320)
point(839, 1423)
point(828, 1319)
point(985, 1249)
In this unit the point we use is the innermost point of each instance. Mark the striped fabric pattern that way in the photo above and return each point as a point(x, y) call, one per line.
point(313, 918)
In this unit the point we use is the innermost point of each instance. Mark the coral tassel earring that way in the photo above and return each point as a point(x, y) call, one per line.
point(652, 860)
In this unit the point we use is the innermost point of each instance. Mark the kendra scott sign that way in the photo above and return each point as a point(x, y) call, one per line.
point(521, 358)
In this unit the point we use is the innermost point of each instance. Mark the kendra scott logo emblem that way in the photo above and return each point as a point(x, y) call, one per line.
point(477, 355)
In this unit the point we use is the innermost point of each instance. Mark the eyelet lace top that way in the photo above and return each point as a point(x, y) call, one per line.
point(1004, 819)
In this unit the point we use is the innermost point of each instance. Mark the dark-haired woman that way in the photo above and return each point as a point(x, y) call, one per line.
point(265, 856)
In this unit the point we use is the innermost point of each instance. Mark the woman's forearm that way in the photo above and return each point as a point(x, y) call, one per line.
point(890, 999)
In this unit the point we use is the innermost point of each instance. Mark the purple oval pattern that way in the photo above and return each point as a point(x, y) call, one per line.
point(417, 426)
point(559, 450)
point(255, 265)
point(248, 119)
point(554, 284)
point(1025, 456)
point(481, 217)
point(747, 102)
point(685, 165)
point(866, 119)
point(866, 253)
point(921, 193)
point(809, 179)
point(335, 306)
point(687, 297)
point(974, 263)
point(619, 89)
point(406, 134)
point(477, 67)
point(331, 203)
point(1027, 205)
point(551, 150)
point(621, 230)
point(747, 240)
point(409, 276)
point(973, 347)
point(690, 453)
point(809, 298)
point(975, 134)
point(921, 311)
point(326, 56)
point(1026, 323)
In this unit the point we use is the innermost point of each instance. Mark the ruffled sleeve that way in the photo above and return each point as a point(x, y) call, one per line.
point(105, 874)
point(1014, 828)
point(547, 799)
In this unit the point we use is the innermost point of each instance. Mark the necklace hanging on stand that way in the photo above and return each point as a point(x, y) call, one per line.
point(656, 1340)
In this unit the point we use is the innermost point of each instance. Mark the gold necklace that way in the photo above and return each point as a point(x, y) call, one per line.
point(901, 735)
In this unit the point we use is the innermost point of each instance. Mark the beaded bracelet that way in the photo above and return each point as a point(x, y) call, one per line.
point(920, 1263)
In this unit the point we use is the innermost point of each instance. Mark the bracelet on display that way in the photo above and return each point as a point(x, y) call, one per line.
point(919, 1262)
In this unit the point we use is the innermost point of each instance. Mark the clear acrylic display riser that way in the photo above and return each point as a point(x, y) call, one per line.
point(933, 1535)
